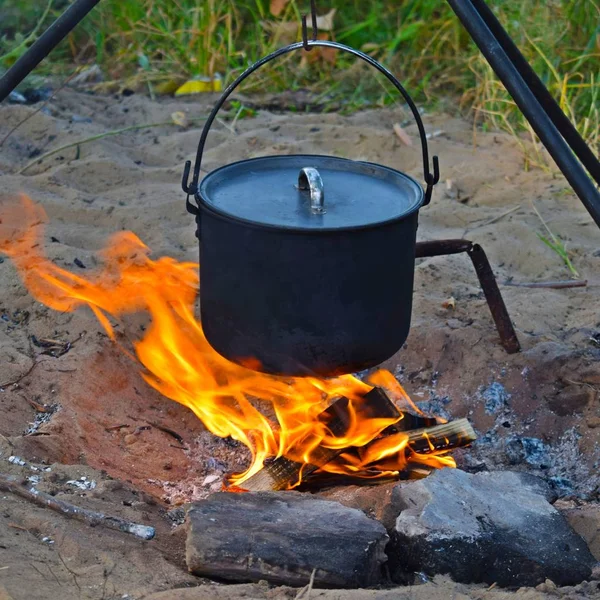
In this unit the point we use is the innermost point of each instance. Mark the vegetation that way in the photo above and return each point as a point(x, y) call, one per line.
point(161, 42)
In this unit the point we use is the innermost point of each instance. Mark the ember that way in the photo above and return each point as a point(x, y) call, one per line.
point(179, 363)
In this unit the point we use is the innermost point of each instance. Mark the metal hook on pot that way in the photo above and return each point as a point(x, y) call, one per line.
point(315, 29)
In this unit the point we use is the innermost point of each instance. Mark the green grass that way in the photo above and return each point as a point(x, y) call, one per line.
point(555, 243)
point(152, 44)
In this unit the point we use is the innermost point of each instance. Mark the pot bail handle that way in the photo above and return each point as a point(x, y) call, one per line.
point(431, 178)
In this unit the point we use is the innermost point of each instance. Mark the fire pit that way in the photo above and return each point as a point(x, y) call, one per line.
point(349, 442)
point(270, 367)
point(295, 427)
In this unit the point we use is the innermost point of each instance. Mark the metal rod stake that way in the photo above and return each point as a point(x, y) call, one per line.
point(487, 280)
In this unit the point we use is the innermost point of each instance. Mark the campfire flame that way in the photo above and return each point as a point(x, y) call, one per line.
point(179, 363)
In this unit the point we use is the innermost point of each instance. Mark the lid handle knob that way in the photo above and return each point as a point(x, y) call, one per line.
point(310, 179)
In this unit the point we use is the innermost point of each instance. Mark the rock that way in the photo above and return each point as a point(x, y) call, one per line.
point(561, 485)
point(585, 520)
point(281, 537)
point(493, 527)
point(548, 586)
point(16, 98)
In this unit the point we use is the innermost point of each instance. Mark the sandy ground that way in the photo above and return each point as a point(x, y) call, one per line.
point(110, 426)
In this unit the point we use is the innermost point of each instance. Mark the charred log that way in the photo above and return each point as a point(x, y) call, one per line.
point(425, 436)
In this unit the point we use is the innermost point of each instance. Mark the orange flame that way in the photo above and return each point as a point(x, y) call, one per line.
point(181, 365)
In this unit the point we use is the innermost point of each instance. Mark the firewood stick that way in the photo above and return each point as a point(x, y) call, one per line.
point(12, 485)
point(383, 407)
point(442, 437)
point(554, 285)
point(282, 472)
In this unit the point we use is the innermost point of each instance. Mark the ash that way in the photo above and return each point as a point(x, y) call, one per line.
point(83, 483)
point(212, 459)
point(496, 398)
point(560, 464)
point(42, 417)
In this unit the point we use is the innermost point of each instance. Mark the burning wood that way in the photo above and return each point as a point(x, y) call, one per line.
point(416, 434)
point(273, 416)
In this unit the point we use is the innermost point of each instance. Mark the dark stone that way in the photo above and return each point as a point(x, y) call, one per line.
point(282, 537)
point(35, 95)
point(495, 527)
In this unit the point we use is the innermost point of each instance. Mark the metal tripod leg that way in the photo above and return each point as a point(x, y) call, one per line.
point(487, 280)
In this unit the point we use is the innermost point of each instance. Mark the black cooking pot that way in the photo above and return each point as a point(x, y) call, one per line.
point(307, 262)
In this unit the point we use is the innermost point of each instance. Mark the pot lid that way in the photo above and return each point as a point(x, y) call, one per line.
point(308, 192)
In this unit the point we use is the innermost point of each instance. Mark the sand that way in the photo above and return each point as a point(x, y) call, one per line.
point(132, 182)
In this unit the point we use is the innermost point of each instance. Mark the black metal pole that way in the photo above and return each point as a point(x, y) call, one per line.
point(567, 129)
point(529, 105)
point(44, 45)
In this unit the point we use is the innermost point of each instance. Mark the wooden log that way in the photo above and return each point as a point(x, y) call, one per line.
point(454, 434)
point(425, 436)
point(282, 473)
point(426, 440)
point(382, 403)
point(284, 539)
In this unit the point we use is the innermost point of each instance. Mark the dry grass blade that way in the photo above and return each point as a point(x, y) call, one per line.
point(306, 591)
point(43, 105)
point(100, 136)
point(555, 243)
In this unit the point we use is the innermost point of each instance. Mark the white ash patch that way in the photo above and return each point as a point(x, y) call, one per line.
point(42, 417)
point(176, 493)
point(496, 398)
point(83, 483)
point(17, 460)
